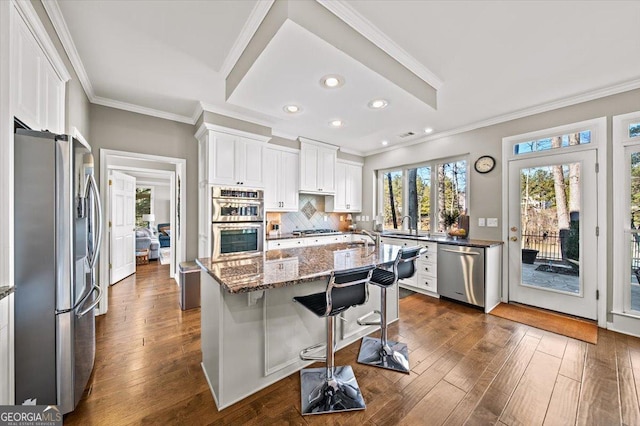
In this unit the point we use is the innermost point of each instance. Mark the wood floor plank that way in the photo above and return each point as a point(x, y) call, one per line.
point(572, 365)
point(553, 344)
point(465, 368)
point(599, 397)
point(563, 406)
point(529, 402)
point(436, 406)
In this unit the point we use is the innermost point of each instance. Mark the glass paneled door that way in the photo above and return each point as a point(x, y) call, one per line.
point(631, 297)
point(552, 232)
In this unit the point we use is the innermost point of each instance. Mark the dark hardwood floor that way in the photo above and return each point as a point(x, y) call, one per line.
point(467, 368)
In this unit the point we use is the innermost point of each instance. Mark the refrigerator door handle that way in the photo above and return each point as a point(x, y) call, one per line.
point(92, 186)
point(94, 304)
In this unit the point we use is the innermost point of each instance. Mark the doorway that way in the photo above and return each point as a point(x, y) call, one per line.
point(173, 170)
point(552, 232)
point(555, 258)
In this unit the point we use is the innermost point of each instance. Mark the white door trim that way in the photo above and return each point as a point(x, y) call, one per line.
point(107, 158)
point(598, 126)
point(622, 321)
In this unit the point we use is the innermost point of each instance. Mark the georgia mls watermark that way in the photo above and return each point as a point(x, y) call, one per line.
point(30, 415)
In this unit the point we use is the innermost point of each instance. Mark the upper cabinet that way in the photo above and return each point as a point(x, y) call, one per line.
point(231, 157)
point(317, 168)
point(348, 196)
point(38, 87)
point(280, 166)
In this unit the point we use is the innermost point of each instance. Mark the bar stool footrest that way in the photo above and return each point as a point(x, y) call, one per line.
point(394, 356)
point(361, 321)
point(321, 395)
point(305, 357)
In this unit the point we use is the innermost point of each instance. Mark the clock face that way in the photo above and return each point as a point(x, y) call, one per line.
point(485, 164)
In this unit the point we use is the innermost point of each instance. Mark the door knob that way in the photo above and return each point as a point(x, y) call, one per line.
point(514, 238)
point(514, 229)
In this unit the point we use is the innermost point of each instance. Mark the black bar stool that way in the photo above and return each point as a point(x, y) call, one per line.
point(382, 352)
point(333, 389)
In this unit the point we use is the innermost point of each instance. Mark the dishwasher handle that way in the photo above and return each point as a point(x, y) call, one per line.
point(466, 253)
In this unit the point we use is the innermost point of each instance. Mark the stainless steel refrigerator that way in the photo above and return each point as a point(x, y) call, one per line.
point(57, 233)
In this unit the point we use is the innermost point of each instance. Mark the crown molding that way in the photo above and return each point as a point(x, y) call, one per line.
point(141, 110)
point(284, 135)
point(230, 131)
point(318, 143)
point(233, 114)
point(351, 17)
point(353, 163)
point(60, 25)
point(352, 151)
point(30, 17)
point(538, 109)
point(248, 30)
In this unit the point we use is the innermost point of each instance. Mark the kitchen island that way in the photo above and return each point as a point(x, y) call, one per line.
point(252, 331)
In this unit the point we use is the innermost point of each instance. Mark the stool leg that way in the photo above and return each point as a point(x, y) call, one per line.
point(330, 389)
point(382, 352)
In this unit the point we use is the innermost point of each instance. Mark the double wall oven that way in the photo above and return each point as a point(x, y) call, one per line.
point(237, 222)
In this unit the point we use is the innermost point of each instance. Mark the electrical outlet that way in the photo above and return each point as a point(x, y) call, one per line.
point(492, 222)
point(481, 221)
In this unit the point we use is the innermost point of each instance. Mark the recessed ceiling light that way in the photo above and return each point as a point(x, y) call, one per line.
point(292, 109)
point(336, 123)
point(378, 104)
point(385, 143)
point(428, 130)
point(332, 81)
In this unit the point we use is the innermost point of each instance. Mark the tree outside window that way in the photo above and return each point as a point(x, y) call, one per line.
point(410, 191)
point(143, 205)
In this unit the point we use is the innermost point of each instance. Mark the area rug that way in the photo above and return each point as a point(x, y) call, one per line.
point(165, 255)
point(575, 328)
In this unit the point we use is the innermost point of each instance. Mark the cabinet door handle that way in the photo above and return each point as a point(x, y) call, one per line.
point(426, 269)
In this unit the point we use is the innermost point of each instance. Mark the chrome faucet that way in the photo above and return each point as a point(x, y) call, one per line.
point(375, 237)
point(410, 221)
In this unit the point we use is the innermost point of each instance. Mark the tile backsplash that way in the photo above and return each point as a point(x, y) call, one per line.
point(293, 221)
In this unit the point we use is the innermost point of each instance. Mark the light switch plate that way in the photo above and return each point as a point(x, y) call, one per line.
point(481, 221)
point(492, 222)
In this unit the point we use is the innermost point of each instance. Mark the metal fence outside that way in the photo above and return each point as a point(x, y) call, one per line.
point(547, 244)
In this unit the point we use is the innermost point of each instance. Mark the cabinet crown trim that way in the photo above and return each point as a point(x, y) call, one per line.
point(318, 143)
point(282, 148)
point(353, 163)
point(30, 17)
point(205, 127)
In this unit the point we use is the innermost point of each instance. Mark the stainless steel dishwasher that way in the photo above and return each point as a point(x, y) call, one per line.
point(461, 273)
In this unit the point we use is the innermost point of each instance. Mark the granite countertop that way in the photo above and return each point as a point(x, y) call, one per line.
point(5, 290)
point(280, 268)
point(434, 238)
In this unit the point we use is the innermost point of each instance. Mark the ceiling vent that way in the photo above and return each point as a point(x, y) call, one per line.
point(406, 135)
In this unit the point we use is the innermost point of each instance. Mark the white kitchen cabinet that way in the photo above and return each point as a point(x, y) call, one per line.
point(317, 168)
point(427, 268)
point(348, 196)
point(37, 90)
point(286, 243)
point(280, 179)
point(235, 161)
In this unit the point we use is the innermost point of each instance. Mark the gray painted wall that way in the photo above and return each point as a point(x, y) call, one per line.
point(127, 131)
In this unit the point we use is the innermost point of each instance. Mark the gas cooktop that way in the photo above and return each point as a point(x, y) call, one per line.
point(315, 231)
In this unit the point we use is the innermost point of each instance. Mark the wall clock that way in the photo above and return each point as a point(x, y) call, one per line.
point(485, 164)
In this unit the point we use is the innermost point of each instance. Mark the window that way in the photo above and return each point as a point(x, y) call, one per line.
point(562, 141)
point(143, 205)
point(634, 130)
point(409, 191)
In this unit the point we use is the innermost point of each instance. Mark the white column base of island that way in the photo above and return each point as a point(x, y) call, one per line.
point(251, 340)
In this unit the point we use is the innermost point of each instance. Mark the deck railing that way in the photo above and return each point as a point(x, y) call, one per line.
point(547, 243)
